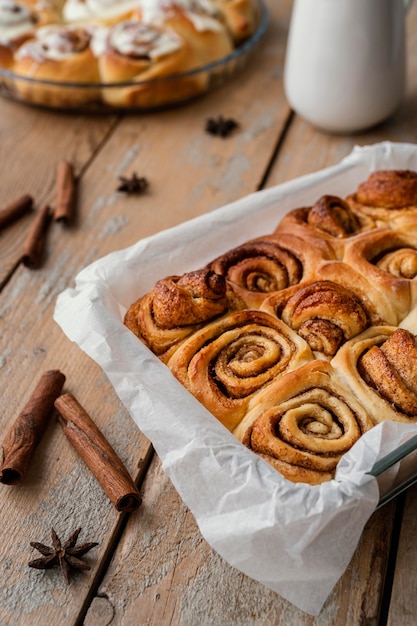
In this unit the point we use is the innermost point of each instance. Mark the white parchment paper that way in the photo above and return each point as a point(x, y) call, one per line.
point(295, 539)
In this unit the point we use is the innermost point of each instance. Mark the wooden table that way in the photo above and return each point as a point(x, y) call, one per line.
point(152, 566)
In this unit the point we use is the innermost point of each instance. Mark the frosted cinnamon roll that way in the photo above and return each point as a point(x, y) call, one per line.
point(388, 197)
point(269, 264)
point(17, 24)
point(303, 423)
point(199, 22)
point(388, 260)
point(176, 307)
point(134, 51)
point(104, 11)
point(380, 368)
point(330, 218)
point(57, 53)
point(228, 361)
point(325, 314)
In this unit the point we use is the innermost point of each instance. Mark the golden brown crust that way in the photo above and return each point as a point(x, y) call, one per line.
point(57, 52)
point(225, 363)
point(269, 264)
point(324, 313)
point(389, 197)
point(134, 51)
point(176, 307)
point(388, 260)
point(303, 423)
point(379, 366)
point(330, 219)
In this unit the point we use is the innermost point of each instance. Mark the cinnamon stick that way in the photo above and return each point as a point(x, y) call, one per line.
point(65, 192)
point(14, 210)
point(34, 245)
point(27, 430)
point(97, 454)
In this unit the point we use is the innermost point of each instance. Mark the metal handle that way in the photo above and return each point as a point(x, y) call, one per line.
point(388, 461)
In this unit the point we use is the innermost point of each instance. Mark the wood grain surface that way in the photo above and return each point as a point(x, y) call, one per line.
point(153, 567)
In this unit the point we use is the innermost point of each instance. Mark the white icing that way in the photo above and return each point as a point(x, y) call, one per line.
point(135, 39)
point(77, 10)
point(203, 14)
point(16, 20)
point(52, 42)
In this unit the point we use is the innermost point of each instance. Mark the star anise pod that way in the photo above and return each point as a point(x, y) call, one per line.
point(66, 555)
point(132, 184)
point(220, 126)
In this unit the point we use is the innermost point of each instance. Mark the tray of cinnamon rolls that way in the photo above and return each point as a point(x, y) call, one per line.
point(123, 54)
point(301, 340)
point(268, 350)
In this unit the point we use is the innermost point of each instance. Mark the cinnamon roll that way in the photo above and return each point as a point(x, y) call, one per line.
point(330, 218)
point(303, 423)
point(57, 53)
point(228, 361)
point(135, 51)
point(380, 368)
point(199, 22)
point(269, 264)
point(389, 197)
point(324, 313)
point(176, 307)
point(17, 24)
point(388, 260)
point(103, 11)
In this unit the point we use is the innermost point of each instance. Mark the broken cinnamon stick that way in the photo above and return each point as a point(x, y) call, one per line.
point(66, 189)
point(27, 430)
point(34, 245)
point(97, 454)
point(14, 210)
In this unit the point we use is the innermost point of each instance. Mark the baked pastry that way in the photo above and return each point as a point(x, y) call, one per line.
point(325, 314)
point(103, 11)
point(303, 423)
point(317, 339)
point(136, 51)
point(176, 307)
point(330, 219)
point(17, 24)
point(228, 361)
point(380, 368)
point(389, 197)
point(57, 52)
point(388, 260)
point(266, 265)
point(197, 21)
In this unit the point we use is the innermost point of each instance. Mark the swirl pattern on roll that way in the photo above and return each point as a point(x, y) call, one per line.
point(268, 264)
point(388, 260)
point(304, 423)
point(177, 306)
point(324, 313)
point(389, 197)
point(330, 218)
point(380, 367)
point(225, 363)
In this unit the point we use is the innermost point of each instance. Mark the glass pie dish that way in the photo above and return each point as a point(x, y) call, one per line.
point(134, 95)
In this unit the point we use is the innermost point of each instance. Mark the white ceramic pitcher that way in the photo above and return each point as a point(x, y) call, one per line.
point(345, 62)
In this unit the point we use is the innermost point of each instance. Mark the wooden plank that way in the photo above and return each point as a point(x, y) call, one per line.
point(29, 152)
point(173, 151)
point(164, 572)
